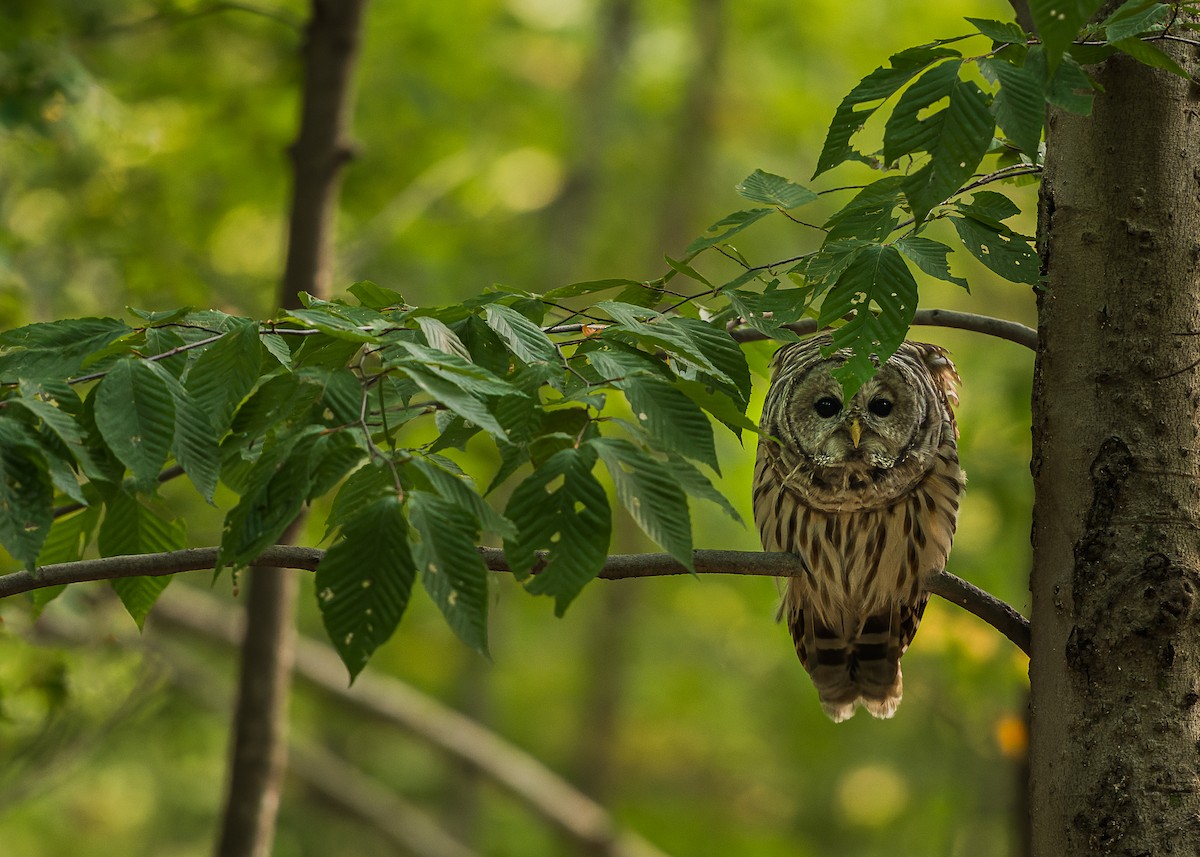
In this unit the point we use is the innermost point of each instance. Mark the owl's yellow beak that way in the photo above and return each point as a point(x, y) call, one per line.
point(855, 431)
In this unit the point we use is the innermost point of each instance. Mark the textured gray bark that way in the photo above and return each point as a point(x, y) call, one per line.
point(1115, 668)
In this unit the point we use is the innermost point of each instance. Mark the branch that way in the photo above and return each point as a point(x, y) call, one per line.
point(998, 327)
point(987, 607)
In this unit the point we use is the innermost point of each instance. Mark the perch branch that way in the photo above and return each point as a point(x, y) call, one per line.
point(998, 327)
point(987, 607)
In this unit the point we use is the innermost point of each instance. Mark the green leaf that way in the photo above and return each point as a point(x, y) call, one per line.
point(453, 395)
point(905, 132)
point(1020, 103)
point(524, 338)
point(274, 492)
point(373, 481)
point(364, 582)
point(774, 190)
point(333, 456)
point(651, 495)
point(1000, 249)
point(956, 137)
point(452, 571)
point(672, 419)
point(725, 228)
point(456, 488)
point(1070, 88)
point(441, 337)
point(930, 257)
point(1008, 32)
point(129, 527)
point(225, 373)
point(698, 485)
point(880, 292)
point(869, 215)
point(719, 351)
point(26, 494)
point(135, 414)
point(326, 319)
point(1057, 23)
point(989, 207)
point(872, 90)
point(69, 536)
point(376, 297)
point(1135, 18)
point(562, 508)
point(195, 444)
point(588, 287)
point(55, 349)
point(1151, 55)
point(682, 267)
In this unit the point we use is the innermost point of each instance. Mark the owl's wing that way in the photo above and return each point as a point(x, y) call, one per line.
point(944, 375)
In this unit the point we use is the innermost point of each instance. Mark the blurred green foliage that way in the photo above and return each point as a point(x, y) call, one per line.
point(143, 147)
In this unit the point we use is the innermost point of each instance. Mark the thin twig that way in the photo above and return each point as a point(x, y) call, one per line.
point(617, 567)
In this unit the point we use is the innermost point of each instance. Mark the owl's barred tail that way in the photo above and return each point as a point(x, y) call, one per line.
point(847, 673)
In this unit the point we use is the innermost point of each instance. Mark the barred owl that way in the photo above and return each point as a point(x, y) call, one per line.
point(866, 493)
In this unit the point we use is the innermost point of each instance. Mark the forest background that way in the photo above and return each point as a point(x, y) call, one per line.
point(531, 143)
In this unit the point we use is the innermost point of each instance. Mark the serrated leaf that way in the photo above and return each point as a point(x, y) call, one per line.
point(69, 536)
point(730, 413)
point(1070, 88)
point(775, 190)
point(364, 486)
point(1151, 55)
point(129, 527)
point(1008, 32)
point(364, 582)
point(962, 134)
point(26, 494)
point(989, 207)
point(906, 132)
point(880, 291)
point(55, 349)
point(1020, 103)
point(452, 571)
point(327, 319)
point(374, 296)
point(869, 215)
point(274, 492)
point(725, 228)
point(651, 495)
point(1001, 250)
point(872, 90)
point(1135, 18)
point(588, 287)
point(562, 508)
point(1057, 23)
point(674, 421)
point(698, 485)
point(614, 360)
point(46, 404)
point(333, 456)
point(135, 414)
point(456, 488)
point(195, 442)
point(438, 335)
point(225, 373)
point(524, 338)
point(720, 351)
point(930, 257)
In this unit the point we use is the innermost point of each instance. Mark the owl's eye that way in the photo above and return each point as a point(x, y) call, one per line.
point(880, 406)
point(827, 406)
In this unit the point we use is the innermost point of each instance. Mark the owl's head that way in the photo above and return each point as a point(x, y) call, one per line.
point(899, 415)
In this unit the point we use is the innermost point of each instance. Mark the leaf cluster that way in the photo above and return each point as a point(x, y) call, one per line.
point(340, 398)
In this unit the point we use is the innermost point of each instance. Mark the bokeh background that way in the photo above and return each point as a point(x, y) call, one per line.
point(530, 143)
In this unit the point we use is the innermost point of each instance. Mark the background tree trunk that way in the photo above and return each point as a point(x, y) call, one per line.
point(259, 754)
point(1115, 671)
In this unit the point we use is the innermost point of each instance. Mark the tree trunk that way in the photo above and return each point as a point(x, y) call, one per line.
point(1115, 669)
point(259, 754)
